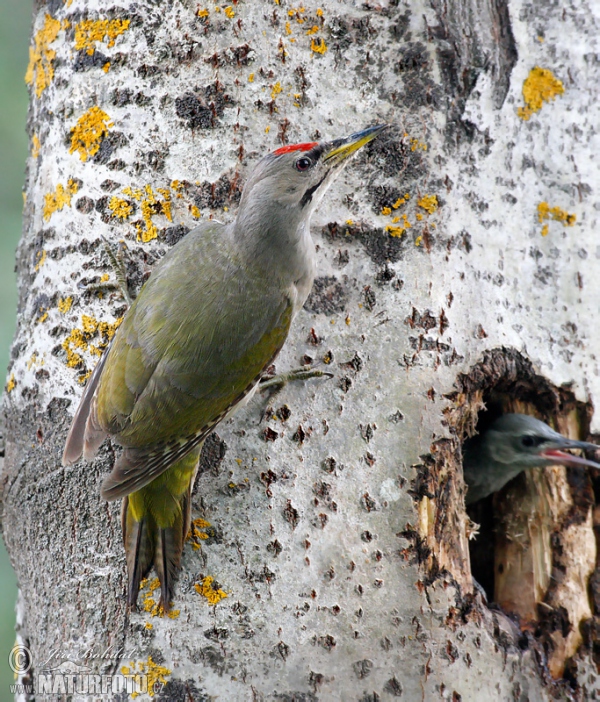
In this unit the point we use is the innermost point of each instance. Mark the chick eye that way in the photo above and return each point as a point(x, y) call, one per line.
point(303, 164)
point(530, 441)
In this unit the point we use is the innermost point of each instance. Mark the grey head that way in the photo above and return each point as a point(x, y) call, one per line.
point(513, 443)
point(295, 177)
point(271, 229)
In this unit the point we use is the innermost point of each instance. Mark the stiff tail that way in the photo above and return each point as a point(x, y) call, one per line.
point(148, 544)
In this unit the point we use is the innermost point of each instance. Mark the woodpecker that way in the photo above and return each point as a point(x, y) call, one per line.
point(514, 443)
point(194, 344)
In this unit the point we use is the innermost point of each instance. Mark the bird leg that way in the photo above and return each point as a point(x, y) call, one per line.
point(303, 373)
point(118, 265)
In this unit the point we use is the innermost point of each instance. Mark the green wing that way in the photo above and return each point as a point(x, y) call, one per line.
point(193, 344)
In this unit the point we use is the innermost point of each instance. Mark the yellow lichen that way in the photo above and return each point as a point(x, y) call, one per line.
point(177, 186)
point(41, 259)
point(429, 203)
point(149, 604)
point(11, 384)
point(42, 318)
point(80, 339)
point(60, 198)
point(88, 32)
point(419, 240)
point(386, 211)
point(288, 28)
point(400, 201)
point(349, 222)
point(318, 46)
point(89, 131)
point(195, 534)
point(148, 625)
point(319, 12)
point(196, 214)
point(395, 231)
point(556, 213)
point(106, 67)
point(156, 675)
point(229, 11)
point(32, 361)
point(202, 13)
point(150, 205)
point(313, 30)
point(267, 129)
point(540, 86)
point(40, 70)
point(104, 278)
point(35, 146)
point(119, 207)
point(251, 78)
point(545, 212)
point(83, 378)
point(207, 590)
point(276, 90)
point(64, 304)
point(416, 144)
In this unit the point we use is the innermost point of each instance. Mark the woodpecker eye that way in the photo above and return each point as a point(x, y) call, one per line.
point(303, 164)
point(531, 441)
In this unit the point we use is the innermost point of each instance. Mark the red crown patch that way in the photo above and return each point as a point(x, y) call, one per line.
point(295, 147)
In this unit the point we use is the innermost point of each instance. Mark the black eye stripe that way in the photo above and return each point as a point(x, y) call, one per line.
point(531, 441)
point(307, 197)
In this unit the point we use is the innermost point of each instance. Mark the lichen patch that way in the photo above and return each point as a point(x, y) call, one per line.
point(540, 86)
point(150, 205)
point(40, 70)
point(156, 675)
point(545, 213)
point(60, 198)
point(89, 131)
point(207, 588)
point(88, 32)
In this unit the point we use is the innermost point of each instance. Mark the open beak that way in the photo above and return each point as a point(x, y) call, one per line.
point(341, 149)
point(557, 455)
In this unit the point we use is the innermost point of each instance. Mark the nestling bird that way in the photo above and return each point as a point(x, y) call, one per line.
point(513, 443)
point(194, 344)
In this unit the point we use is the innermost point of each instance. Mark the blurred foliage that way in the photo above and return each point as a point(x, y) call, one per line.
point(15, 20)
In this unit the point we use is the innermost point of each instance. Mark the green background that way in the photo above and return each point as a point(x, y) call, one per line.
point(15, 21)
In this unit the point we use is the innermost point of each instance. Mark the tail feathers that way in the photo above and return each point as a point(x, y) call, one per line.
point(147, 544)
point(139, 539)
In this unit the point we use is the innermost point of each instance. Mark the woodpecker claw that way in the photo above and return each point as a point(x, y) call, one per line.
point(117, 263)
point(304, 373)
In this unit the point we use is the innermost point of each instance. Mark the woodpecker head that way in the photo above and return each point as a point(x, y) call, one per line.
point(294, 178)
point(519, 439)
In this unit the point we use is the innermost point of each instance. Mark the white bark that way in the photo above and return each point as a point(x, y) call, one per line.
point(318, 542)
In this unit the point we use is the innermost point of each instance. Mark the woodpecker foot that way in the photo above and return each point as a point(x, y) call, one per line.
point(117, 263)
point(304, 373)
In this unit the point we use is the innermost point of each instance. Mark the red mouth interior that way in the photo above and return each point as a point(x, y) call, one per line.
point(555, 453)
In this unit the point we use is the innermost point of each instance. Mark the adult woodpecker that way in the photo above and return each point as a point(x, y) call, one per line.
point(514, 443)
point(194, 344)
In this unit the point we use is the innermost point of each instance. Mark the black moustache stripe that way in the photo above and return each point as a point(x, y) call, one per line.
point(307, 197)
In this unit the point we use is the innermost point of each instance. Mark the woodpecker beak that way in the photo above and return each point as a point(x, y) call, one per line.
point(555, 454)
point(341, 149)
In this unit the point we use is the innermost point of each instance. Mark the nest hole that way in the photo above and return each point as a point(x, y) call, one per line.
point(535, 553)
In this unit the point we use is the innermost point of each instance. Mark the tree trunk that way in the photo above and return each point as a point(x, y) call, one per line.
point(331, 556)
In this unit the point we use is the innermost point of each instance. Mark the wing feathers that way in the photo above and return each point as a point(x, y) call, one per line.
point(76, 438)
